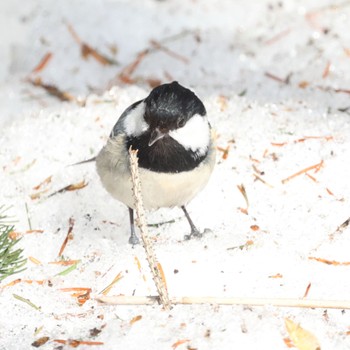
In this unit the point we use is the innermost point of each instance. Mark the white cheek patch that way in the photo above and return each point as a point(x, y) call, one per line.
point(195, 135)
point(134, 123)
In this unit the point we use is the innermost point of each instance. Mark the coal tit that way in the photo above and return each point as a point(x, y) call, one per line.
point(176, 151)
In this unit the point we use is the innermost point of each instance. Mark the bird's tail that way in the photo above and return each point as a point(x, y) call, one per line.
point(84, 161)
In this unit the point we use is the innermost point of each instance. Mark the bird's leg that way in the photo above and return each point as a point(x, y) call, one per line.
point(133, 238)
point(194, 230)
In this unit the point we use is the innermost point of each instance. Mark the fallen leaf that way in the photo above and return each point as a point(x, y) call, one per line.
point(135, 319)
point(40, 341)
point(304, 84)
point(301, 338)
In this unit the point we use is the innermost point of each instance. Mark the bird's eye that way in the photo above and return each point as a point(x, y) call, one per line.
point(181, 122)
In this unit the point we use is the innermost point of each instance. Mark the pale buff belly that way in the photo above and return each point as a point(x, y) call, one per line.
point(158, 189)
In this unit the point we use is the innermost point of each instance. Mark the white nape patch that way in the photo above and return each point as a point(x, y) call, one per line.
point(195, 135)
point(134, 123)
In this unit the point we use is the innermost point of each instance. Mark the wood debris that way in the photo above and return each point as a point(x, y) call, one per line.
point(19, 280)
point(135, 319)
point(317, 167)
point(52, 90)
point(326, 70)
point(303, 139)
point(64, 262)
point(117, 278)
point(280, 302)
point(126, 73)
point(80, 293)
point(71, 187)
point(75, 343)
point(68, 236)
point(157, 45)
point(179, 342)
point(307, 291)
point(86, 50)
point(330, 262)
point(243, 191)
point(16, 235)
point(285, 80)
point(340, 229)
point(41, 341)
point(43, 183)
point(157, 274)
point(278, 37)
point(34, 260)
point(43, 63)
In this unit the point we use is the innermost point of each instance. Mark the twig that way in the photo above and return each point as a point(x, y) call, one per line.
point(52, 90)
point(87, 50)
point(276, 78)
point(43, 63)
point(70, 229)
point(156, 270)
point(257, 177)
point(171, 53)
point(71, 187)
point(243, 191)
point(290, 302)
point(315, 166)
point(126, 72)
point(278, 36)
point(340, 229)
point(326, 70)
point(75, 343)
point(106, 290)
point(330, 262)
point(307, 291)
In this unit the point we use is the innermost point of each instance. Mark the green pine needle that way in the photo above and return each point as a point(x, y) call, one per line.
point(11, 261)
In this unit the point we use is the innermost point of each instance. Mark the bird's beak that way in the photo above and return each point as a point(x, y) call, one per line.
point(155, 136)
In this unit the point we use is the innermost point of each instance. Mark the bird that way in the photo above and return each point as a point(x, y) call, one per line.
point(176, 152)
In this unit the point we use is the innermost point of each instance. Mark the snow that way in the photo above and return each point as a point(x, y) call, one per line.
point(229, 47)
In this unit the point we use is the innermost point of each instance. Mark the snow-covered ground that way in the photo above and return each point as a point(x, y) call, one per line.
point(274, 76)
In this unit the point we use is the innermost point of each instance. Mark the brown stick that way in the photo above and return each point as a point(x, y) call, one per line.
point(157, 272)
point(315, 166)
point(288, 302)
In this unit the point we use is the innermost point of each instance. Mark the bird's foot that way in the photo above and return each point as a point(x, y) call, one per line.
point(134, 239)
point(196, 233)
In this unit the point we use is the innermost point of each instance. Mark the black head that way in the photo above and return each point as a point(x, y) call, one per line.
point(170, 106)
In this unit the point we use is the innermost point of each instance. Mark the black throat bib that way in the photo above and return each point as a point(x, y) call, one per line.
point(164, 156)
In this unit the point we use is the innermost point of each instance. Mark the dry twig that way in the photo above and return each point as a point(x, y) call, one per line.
point(317, 167)
point(157, 273)
point(52, 90)
point(301, 303)
point(68, 236)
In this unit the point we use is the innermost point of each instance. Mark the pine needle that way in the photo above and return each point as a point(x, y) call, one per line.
point(11, 261)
